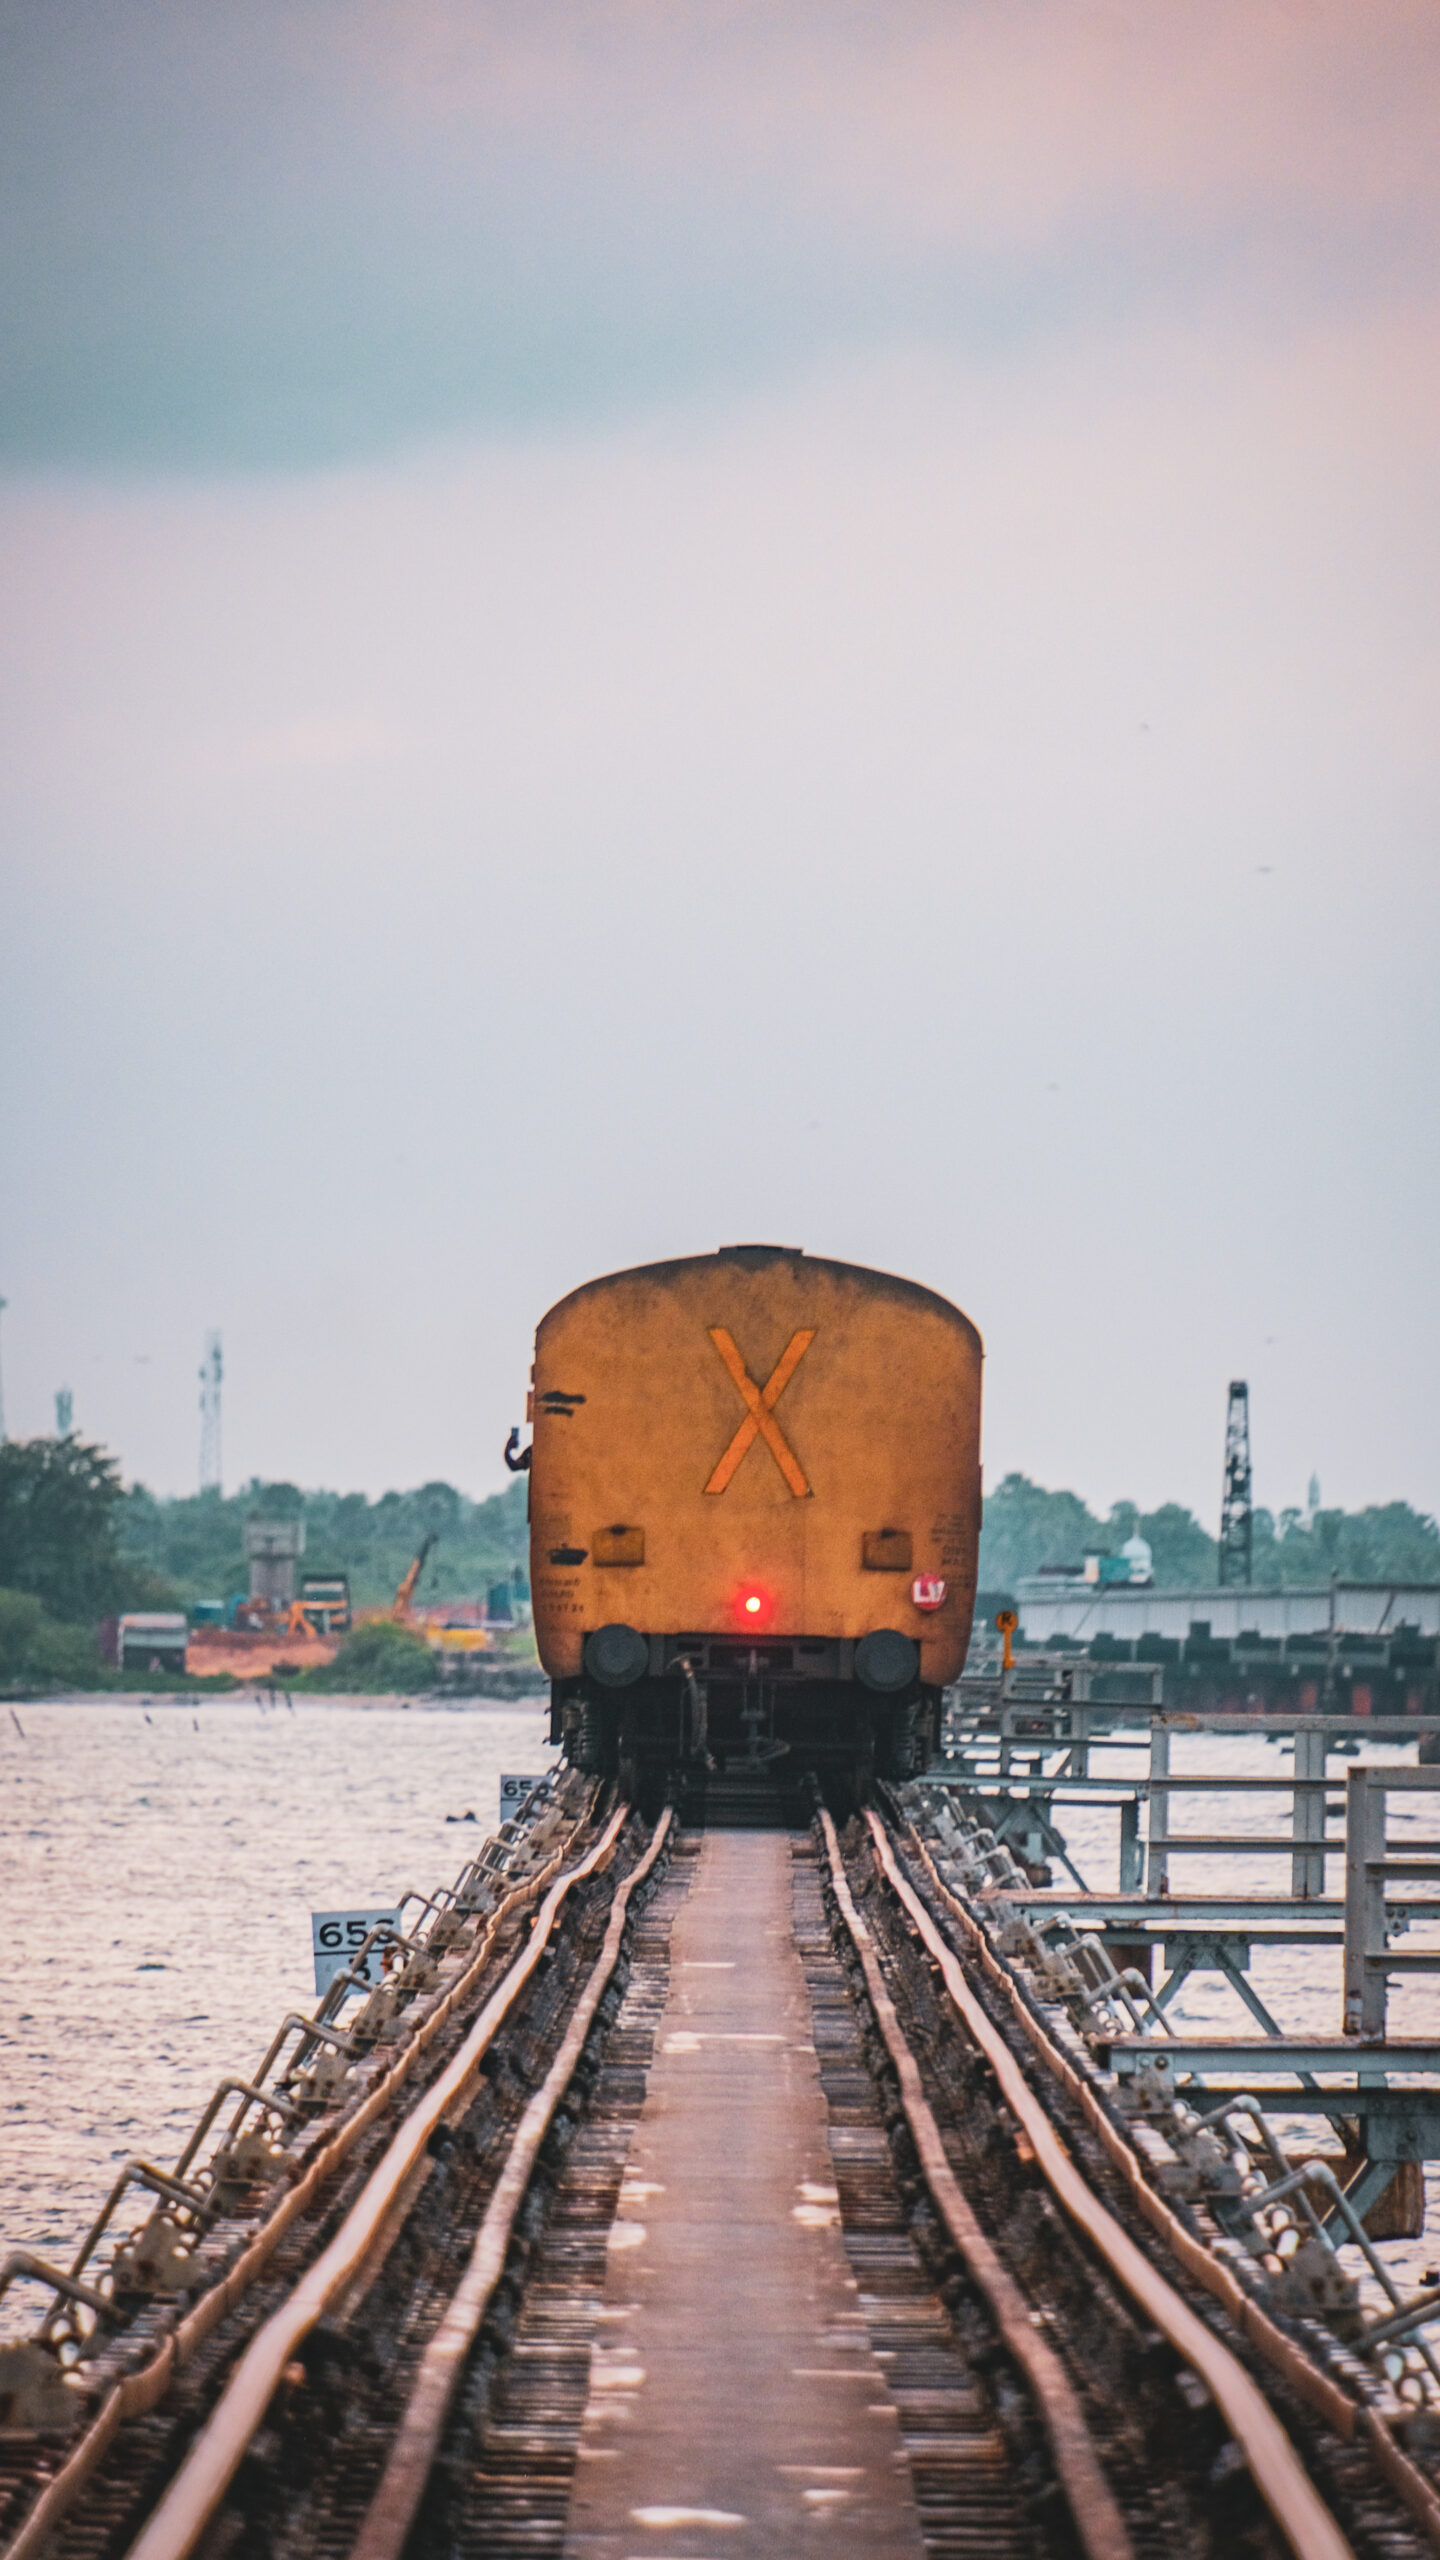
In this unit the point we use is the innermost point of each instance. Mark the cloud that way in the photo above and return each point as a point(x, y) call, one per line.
point(866, 669)
point(266, 237)
point(448, 880)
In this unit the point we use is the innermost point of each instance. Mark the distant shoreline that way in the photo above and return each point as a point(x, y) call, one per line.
point(424, 1700)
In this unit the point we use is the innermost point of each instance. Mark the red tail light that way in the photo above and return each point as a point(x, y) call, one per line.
point(754, 1606)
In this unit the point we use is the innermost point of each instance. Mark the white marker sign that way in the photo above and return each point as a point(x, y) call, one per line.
point(513, 1792)
point(338, 1937)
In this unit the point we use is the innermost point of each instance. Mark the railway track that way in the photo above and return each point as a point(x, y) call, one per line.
point(183, 2396)
point(1276, 2415)
point(531, 2325)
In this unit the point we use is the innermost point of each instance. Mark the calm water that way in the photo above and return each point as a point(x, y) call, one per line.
point(158, 1866)
point(159, 1863)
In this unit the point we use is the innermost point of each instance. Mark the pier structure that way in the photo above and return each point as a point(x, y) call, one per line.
point(1345, 1648)
point(841, 2181)
point(1356, 1862)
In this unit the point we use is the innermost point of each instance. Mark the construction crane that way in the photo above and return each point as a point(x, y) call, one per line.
point(406, 1593)
point(1237, 1519)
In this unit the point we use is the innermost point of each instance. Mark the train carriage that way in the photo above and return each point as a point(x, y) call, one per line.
point(754, 1514)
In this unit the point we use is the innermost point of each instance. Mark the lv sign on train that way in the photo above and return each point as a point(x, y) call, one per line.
point(754, 1514)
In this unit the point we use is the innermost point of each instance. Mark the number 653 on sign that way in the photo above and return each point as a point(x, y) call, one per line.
point(337, 1938)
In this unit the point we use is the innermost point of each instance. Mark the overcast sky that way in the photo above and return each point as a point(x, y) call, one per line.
point(634, 627)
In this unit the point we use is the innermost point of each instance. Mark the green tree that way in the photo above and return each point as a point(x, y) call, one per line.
point(1025, 1527)
point(379, 1656)
point(440, 1507)
point(197, 1544)
point(35, 1652)
point(1387, 1542)
point(198, 1541)
point(1183, 1556)
point(58, 1506)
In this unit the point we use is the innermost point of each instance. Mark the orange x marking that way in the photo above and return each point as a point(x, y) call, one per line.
point(760, 1419)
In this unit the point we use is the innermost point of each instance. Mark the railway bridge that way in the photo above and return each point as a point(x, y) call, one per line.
point(819, 2186)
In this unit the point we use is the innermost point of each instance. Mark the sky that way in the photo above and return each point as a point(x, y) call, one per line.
point(632, 627)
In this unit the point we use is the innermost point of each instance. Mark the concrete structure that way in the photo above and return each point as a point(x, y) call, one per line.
point(273, 1549)
point(211, 1376)
point(1080, 1612)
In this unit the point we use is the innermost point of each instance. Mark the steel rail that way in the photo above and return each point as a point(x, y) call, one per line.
point(1313, 2386)
point(392, 2510)
point(1103, 2532)
point(1295, 2504)
point(196, 2491)
point(142, 2390)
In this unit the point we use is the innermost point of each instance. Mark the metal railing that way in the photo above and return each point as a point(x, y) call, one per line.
point(1370, 1866)
point(1288, 2216)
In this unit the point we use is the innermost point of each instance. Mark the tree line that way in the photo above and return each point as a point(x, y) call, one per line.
point(1027, 1526)
point(195, 1543)
point(77, 1545)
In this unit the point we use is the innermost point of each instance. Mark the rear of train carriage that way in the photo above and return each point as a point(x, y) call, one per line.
point(754, 1517)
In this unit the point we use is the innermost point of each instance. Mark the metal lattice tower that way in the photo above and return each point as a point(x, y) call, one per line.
point(1237, 1519)
point(211, 1372)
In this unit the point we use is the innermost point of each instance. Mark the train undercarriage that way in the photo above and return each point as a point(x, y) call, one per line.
point(714, 1725)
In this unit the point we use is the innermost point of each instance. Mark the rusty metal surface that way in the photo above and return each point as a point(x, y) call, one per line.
point(734, 2389)
point(1308, 2526)
point(198, 2488)
point(392, 2510)
point(973, 2446)
point(1099, 2524)
point(133, 2374)
point(730, 2289)
point(1356, 2427)
point(512, 2449)
point(1294, 2502)
point(651, 1417)
point(963, 2434)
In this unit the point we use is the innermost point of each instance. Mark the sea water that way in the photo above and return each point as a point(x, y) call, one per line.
point(159, 1862)
point(160, 1859)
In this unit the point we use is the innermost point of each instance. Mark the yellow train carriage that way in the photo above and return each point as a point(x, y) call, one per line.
point(754, 1514)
